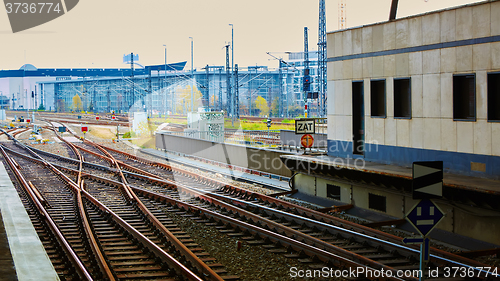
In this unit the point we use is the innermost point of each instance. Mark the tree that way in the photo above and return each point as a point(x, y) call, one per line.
point(41, 107)
point(275, 109)
point(77, 103)
point(261, 104)
point(295, 110)
point(184, 95)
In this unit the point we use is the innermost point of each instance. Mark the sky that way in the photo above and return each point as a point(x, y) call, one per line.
point(97, 33)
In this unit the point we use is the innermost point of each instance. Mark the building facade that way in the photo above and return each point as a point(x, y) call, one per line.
point(420, 88)
point(169, 93)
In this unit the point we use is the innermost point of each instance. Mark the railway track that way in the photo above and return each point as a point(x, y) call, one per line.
point(370, 244)
point(129, 250)
point(315, 238)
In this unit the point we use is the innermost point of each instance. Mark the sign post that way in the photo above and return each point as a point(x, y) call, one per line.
point(425, 215)
point(305, 126)
point(268, 124)
point(84, 130)
point(307, 140)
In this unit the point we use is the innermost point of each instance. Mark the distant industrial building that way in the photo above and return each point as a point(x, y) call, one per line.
point(26, 88)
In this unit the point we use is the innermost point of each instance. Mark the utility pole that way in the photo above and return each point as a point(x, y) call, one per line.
point(281, 100)
point(192, 77)
point(232, 67)
point(236, 93)
point(150, 91)
point(206, 96)
point(228, 85)
point(307, 78)
point(132, 76)
point(165, 80)
point(322, 59)
point(219, 100)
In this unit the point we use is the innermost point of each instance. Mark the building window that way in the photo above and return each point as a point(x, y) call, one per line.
point(333, 191)
point(377, 202)
point(494, 97)
point(402, 98)
point(464, 97)
point(377, 98)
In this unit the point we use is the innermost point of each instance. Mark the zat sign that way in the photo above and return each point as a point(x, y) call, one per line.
point(306, 126)
point(26, 14)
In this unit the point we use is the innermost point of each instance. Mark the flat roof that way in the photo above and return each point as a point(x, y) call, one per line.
point(413, 16)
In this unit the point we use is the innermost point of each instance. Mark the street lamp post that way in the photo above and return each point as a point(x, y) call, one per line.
point(192, 76)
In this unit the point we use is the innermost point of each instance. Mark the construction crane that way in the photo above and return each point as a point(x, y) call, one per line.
point(342, 13)
point(322, 84)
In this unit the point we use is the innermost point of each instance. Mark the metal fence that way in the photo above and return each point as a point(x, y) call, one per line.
point(245, 137)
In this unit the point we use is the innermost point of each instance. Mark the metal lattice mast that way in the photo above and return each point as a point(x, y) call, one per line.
point(322, 59)
point(205, 101)
point(281, 99)
point(219, 100)
point(306, 80)
point(236, 93)
point(150, 92)
point(228, 84)
point(132, 77)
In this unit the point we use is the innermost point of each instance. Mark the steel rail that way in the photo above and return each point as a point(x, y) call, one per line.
point(101, 260)
point(186, 252)
point(303, 211)
point(168, 259)
point(124, 166)
point(393, 241)
point(322, 254)
point(72, 256)
point(284, 229)
point(306, 212)
point(195, 261)
point(447, 259)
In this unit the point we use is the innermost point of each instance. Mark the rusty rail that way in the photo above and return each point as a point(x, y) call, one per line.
point(168, 259)
point(78, 265)
point(186, 252)
point(302, 211)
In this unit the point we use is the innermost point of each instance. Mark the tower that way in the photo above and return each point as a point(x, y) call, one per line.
point(228, 84)
point(322, 59)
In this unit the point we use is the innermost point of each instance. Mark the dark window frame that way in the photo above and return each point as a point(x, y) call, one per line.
point(458, 115)
point(372, 204)
point(336, 187)
point(491, 104)
point(398, 102)
point(384, 99)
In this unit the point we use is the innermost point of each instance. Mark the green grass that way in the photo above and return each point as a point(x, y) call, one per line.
point(256, 125)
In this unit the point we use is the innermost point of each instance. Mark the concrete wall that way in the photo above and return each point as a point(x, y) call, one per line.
point(459, 218)
point(265, 160)
point(429, 49)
